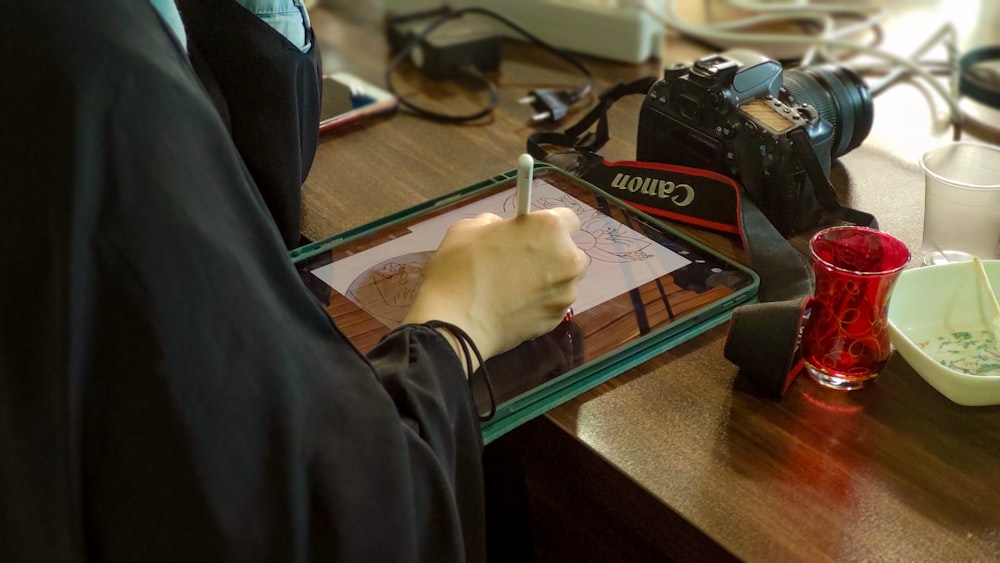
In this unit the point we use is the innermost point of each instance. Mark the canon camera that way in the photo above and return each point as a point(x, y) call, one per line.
point(739, 114)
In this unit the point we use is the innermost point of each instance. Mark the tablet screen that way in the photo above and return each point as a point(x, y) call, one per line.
point(644, 279)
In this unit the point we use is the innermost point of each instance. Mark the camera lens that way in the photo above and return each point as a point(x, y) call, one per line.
point(840, 96)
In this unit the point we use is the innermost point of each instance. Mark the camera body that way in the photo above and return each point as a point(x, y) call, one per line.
point(730, 113)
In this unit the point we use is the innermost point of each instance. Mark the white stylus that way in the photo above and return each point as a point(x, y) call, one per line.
point(525, 175)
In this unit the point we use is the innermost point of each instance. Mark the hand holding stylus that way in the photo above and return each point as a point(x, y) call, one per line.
point(504, 281)
point(525, 180)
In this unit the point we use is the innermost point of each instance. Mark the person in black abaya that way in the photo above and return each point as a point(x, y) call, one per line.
point(267, 92)
point(169, 391)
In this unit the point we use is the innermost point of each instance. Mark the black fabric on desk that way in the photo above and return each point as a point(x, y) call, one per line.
point(169, 391)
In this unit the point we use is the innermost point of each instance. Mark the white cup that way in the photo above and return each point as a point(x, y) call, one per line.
point(961, 202)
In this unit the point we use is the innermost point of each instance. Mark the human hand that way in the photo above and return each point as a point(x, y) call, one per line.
point(503, 281)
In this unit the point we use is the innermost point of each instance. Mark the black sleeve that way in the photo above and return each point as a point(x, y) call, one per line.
point(268, 92)
point(439, 411)
point(169, 391)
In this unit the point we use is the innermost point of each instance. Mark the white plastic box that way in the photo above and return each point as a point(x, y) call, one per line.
point(611, 29)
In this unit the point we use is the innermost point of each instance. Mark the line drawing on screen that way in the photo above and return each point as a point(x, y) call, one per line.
point(384, 280)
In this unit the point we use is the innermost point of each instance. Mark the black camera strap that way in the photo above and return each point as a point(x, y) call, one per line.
point(762, 339)
point(822, 188)
point(710, 200)
point(578, 136)
point(699, 197)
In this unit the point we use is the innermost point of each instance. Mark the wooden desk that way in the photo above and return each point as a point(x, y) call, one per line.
point(679, 458)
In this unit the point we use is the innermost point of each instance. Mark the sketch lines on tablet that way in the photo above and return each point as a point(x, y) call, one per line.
point(387, 289)
point(601, 237)
point(383, 280)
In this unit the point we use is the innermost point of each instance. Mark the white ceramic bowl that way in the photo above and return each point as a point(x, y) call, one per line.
point(936, 301)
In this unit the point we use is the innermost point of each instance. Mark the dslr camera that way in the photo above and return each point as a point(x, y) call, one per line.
point(737, 113)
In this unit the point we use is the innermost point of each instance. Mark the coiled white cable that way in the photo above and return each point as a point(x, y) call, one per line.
point(828, 38)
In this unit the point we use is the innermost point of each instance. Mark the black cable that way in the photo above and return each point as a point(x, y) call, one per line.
point(468, 71)
point(570, 97)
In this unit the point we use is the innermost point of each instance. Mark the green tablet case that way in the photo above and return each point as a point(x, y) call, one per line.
point(615, 333)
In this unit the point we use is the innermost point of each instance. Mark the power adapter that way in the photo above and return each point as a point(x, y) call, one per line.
point(448, 44)
point(550, 105)
point(450, 49)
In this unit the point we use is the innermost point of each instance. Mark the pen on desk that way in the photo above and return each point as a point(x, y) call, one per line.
point(525, 175)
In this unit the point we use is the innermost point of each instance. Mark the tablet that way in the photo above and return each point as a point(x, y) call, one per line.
point(647, 288)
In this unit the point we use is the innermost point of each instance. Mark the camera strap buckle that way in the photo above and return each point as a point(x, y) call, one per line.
point(588, 142)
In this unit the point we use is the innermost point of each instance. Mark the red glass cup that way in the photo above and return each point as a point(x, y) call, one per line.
point(845, 342)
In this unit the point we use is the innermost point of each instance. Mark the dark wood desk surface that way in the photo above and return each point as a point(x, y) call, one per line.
point(894, 472)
